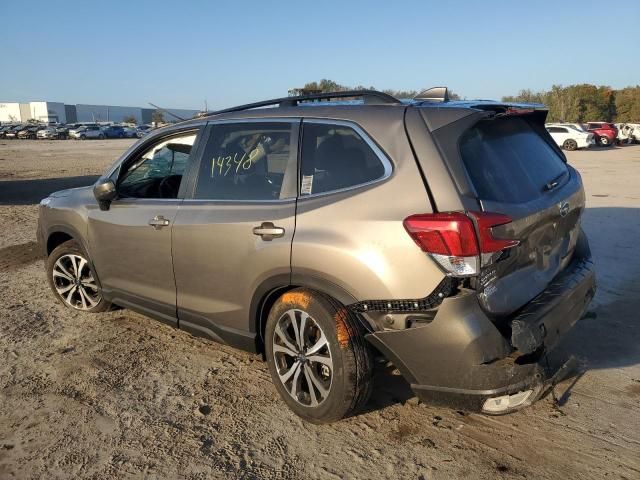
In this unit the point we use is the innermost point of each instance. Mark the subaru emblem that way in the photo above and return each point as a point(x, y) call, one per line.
point(564, 209)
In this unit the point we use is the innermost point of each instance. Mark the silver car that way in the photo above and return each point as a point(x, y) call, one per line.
point(442, 235)
point(88, 132)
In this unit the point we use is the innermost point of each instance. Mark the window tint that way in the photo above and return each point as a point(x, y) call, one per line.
point(508, 161)
point(554, 129)
point(157, 173)
point(335, 157)
point(245, 161)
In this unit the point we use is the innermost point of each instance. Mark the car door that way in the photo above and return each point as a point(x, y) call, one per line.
point(232, 234)
point(130, 243)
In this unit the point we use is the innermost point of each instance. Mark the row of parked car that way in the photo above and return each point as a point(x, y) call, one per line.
point(78, 131)
point(571, 136)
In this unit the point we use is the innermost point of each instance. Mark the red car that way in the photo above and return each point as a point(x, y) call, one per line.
point(605, 133)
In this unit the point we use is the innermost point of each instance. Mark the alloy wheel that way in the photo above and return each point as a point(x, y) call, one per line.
point(302, 358)
point(75, 283)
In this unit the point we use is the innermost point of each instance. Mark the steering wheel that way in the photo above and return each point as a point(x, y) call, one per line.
point(169, 186)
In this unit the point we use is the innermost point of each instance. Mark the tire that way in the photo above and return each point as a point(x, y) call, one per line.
point(101, 136)
point(78, 291)
point(570, 145)
point(604, 141)
point(83, 137)
point(337, 385)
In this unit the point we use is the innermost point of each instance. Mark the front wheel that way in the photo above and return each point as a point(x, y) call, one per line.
point(318, 357)
point(72, 279)
point(83, 137)
point(605, 141)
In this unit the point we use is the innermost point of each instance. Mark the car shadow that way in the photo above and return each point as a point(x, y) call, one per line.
point(30, 192)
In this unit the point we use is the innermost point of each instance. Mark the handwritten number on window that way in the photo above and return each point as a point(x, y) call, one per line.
point(221, 166)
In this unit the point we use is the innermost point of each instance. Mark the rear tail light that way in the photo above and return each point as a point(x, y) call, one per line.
point(453, 241)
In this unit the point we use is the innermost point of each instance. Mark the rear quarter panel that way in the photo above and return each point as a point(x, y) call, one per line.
point(356, 240)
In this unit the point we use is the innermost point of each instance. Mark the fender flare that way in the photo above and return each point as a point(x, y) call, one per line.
point(273, 287)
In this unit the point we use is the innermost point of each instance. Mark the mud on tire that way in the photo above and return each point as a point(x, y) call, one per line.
point(351, 356)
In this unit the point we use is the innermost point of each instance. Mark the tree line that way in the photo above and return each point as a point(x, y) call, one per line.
point(585, 102)
point(573, 103)
point(326, 85)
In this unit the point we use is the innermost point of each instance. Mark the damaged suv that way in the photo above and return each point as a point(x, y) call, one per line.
point(443, 235)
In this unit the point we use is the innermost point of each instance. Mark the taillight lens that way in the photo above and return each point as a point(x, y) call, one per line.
point(486, 221)
point(451, 239)
point(443, 233)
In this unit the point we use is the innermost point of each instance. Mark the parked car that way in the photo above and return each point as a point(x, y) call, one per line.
point(464, 277)
point(130, 132)
point(142, 130)
point(605, 133)
point(113, 131)
point(5, 128)
point(570, 138)
point(635, 133)
point(12, 133)
point(627, 133)
point(84, 133)
point(29, 132)
point(577, 126)
point(52, 132)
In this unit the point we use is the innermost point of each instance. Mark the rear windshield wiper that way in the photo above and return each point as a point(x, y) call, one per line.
point(554, 183)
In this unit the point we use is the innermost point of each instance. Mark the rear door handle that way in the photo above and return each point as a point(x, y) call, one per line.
point(268, 231)
point(158, 222)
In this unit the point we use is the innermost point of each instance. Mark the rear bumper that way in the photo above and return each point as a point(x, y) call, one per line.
point(461, 359)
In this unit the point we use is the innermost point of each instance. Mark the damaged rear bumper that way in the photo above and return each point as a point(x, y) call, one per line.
point(462, 360)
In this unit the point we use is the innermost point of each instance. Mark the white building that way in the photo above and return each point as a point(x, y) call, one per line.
point(41, 111)
point(61, 113)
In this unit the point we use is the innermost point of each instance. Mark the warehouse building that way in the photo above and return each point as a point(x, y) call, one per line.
point(57, 112)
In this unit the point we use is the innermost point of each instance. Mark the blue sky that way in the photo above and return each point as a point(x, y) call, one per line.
point(177, 53)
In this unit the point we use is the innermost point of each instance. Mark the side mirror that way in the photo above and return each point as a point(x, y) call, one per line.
point(105, 192)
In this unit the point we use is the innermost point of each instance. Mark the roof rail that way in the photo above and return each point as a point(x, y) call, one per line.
point(370, 97)
point(435, 94)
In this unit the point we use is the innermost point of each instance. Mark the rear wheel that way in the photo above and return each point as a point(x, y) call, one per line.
point(570, 145)
point(604, 140)
point(319, 360)
point(72, 279)
point(101, 136)
point(83, 137)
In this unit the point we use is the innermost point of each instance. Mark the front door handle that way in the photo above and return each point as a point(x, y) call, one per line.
point(268, 231)
point(158, 222)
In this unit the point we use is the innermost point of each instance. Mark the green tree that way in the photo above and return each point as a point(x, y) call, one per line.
point(627, 104)
point(157, 116)
point(325, 85)
point(129, 119)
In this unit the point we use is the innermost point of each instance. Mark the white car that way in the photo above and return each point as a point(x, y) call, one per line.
point(570, 138)
point(628, 132)
point(577, 126)
point(87, 132)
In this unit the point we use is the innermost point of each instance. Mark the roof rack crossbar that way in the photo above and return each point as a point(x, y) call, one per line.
point(371, 97)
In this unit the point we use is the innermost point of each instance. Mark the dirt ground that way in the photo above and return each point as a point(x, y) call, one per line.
point(118, 396)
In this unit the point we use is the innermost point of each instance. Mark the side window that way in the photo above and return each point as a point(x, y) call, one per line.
point(336, 157)
point(245, 161)
point(157, 173)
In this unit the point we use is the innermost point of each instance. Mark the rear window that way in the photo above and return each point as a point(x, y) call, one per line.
point(508, 161)
point(335, 157)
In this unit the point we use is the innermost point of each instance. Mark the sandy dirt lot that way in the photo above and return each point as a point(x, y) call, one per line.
point(118, 396)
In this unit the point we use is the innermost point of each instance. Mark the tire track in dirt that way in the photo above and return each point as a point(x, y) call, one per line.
point(15, 256)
